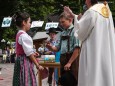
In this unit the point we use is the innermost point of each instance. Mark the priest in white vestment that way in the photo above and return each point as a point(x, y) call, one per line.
point(95, 29)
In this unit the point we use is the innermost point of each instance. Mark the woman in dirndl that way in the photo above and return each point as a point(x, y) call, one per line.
point(26, 56)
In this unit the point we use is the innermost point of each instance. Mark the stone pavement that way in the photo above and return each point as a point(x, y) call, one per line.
point(7, 75)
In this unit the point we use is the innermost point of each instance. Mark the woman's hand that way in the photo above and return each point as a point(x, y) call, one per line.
point(39, 67)
point(36, 54)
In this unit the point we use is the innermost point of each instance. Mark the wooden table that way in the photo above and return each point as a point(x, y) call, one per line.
point(51, 65)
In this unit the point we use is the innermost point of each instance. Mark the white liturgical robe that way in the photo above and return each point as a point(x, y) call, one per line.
point(97, 57)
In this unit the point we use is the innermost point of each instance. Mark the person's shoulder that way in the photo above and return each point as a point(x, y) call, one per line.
point(21, 33)
point(25, 36)
point(89, 11)
point(102, 9)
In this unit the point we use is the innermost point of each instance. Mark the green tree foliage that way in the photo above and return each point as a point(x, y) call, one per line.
point(7, 8)
point(38, 9)
point(112, 7)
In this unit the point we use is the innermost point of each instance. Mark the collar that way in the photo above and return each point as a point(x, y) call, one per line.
point(52, 40)
point(21, 31)
point(102, 9)
point(70, 27)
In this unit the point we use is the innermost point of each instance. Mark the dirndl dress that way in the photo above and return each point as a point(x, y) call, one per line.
point(23, 69)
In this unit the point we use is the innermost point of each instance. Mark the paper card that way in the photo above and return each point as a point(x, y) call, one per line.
point(37, 24)
point(6, 22)
point(51, 25)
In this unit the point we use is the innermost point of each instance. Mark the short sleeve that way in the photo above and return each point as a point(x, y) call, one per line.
point(58, 43)
point(76, 41)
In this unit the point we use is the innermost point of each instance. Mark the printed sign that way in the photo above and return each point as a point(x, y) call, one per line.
point(37, 24)
point(51, 24)
point(6, 22)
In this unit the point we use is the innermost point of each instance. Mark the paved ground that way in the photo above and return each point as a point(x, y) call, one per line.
point(7, 75)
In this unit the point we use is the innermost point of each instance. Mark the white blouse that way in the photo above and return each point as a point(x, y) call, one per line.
point(27, 43)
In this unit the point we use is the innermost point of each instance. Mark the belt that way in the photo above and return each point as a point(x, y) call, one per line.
point(66, 54)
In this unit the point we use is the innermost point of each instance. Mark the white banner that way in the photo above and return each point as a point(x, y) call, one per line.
point(51, 25)
point(37, 24)
point(6, 22)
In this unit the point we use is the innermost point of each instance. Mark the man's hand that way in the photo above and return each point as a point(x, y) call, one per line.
point(67, 66)
point(49, 45)
point(79, 16)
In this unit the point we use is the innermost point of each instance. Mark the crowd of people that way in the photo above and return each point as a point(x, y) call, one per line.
point(9, 55)
point(85, 48)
